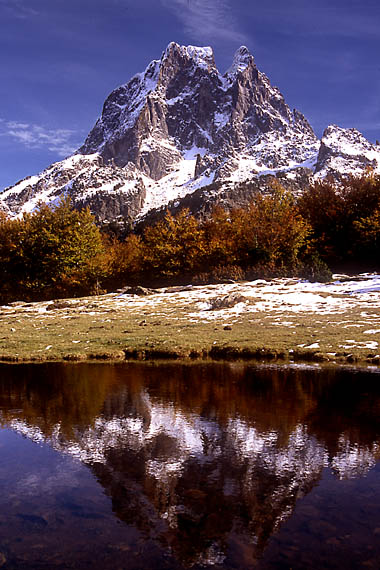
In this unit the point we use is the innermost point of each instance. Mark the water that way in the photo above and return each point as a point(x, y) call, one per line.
point(189, 466)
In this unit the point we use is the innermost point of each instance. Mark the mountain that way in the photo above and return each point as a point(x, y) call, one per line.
point(346, 151)
point(180, 126)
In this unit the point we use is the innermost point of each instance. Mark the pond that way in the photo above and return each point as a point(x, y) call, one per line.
point(138, 465)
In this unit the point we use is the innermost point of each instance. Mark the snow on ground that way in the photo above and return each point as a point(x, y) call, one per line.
point(280, 314)
point(295, 296)
point(276, 296)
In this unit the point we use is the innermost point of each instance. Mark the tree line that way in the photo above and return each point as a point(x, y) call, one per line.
point(59, 251)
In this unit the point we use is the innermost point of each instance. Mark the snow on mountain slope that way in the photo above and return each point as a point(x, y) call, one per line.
point(179, 126)
point(345, 151)
point(108, 190)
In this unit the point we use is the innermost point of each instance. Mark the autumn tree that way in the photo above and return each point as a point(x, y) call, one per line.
point(341, 215)
point(367, 242)
point(51, 251)
point(173, 246)
point(271, 229)
point(124, 259)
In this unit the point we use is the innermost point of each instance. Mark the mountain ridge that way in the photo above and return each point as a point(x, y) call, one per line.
point(180, 126)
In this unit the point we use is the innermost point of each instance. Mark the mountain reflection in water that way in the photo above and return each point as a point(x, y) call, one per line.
point(207, 460)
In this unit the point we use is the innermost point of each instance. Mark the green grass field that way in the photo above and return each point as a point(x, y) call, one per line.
point(274, 322)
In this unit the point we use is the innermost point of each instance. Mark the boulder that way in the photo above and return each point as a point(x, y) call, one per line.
point(227, 301)
point(138, 290)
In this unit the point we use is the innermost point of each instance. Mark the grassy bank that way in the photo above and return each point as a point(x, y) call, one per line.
point(275, 320)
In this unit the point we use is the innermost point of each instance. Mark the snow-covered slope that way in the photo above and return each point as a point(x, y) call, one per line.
point(179, 126)
point(109, 191)
point(346, 151)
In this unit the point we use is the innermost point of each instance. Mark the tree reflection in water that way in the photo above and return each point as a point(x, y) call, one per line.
point(206, 460)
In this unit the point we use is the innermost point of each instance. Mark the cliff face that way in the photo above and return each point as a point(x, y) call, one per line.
point(182, 104)
point(181, 125)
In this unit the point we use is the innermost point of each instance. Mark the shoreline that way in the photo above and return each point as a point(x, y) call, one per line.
point(267, 358)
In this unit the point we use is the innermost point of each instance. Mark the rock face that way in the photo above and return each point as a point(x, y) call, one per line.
point(345, 151)
point(180, 126)
point(111, 192)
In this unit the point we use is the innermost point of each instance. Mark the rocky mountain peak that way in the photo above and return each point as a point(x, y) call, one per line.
point(241, 61)
point(346, 151)
point(199, 56)
point(181, 64)
point(179, 126)
point(182, 102)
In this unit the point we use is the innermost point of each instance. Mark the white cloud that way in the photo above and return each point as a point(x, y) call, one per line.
point(207, 21)
point(18, 8)
point(61, 141)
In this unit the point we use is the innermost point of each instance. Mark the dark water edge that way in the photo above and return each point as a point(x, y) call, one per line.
point(146, 465)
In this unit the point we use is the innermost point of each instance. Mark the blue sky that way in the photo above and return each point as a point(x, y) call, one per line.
point(59, 59)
